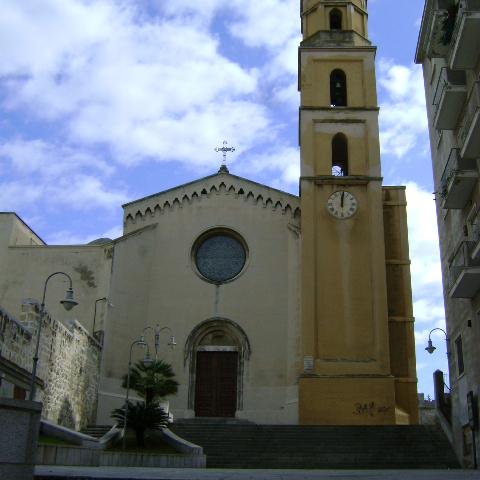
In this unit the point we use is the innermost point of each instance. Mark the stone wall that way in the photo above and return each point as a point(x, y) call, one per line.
point(15, 341)
point(69, 360)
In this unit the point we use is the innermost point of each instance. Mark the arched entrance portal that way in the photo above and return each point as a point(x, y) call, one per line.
point(217, 350)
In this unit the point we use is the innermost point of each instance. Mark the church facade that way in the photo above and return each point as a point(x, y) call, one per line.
point(284, 309)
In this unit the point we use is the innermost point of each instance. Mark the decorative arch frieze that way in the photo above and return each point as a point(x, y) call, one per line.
point(182, 198)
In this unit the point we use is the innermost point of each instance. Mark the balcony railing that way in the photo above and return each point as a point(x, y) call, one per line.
point(464, 272)
point(465, 42)
point(458, 181)
point(469, 132)
point(450, 95)
point(476, 237)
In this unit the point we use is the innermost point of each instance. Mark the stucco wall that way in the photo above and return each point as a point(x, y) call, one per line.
point(154, 281)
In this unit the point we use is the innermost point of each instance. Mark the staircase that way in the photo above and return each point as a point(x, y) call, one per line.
point(230, 445)
point(96, 431)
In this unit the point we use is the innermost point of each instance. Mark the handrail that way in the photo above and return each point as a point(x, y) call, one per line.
point(472, 105)
point(455, 164)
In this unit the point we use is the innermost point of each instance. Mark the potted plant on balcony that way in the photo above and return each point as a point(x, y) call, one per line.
point(448, 24)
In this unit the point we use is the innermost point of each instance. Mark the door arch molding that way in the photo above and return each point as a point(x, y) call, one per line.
point(198, 340)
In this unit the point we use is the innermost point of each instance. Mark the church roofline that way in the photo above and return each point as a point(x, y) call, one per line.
point(215, 175)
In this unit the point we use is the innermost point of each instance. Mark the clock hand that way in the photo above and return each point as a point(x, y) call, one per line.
point(341, 203)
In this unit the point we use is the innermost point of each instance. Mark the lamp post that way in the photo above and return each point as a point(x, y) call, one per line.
point(430, 348)
point(95, 311)
point(157, 330)
point(147, 361)
point(68, 303)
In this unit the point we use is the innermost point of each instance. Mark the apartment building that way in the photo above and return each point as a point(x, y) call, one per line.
point(449, 51)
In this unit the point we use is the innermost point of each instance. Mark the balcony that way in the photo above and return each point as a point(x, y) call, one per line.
point(450, 95)
point(469, 132)
point(458, 181)
point(476, 237)
point(464, 272)
point(431, 42)
point(465, 43)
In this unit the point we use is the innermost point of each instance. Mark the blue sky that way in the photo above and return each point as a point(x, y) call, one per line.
point(104, 102)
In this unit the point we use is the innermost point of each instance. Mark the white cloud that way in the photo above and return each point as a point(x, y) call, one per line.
point(37, 157)
point(403, 118)
point(424, 246)
point(64, 237)
point(15, 195)
point(129, 82)
point(282, 163)
point(85, 192)
point(64, 176)
point(277, 25)
point(426, 272)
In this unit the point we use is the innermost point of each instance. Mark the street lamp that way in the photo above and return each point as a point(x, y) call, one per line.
point(157, 330)
point(147, 361)
point(68, 303)
point(430, 348)
point(109, 304)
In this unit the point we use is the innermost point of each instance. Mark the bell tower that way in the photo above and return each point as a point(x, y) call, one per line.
point(346, 376)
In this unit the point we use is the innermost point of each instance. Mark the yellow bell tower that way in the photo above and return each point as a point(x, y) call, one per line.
point(357, 323)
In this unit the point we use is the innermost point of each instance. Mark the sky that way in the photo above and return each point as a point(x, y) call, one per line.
point(106, 101)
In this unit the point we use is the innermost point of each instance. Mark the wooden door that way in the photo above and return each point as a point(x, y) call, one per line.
point(216, 384)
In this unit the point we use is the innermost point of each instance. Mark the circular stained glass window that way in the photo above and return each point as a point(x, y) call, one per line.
point(220, 257)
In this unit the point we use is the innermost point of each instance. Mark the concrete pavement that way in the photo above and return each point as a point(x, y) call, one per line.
point(121, 473)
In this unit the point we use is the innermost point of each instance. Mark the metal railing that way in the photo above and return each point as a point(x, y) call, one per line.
point(464, 6)
point(461, 260)
point(454, 165)
point(472, 106)
point(447, 79)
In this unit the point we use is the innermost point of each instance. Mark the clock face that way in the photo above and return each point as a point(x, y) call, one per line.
point(342, 204)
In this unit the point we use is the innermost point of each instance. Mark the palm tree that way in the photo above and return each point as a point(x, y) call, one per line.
point(140, 417)
point(152, 382)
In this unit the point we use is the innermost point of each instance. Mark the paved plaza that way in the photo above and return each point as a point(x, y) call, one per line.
point(93, 473)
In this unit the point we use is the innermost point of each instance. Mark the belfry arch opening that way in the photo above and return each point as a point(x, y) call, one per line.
point(335, 19)
point(338, 88)
point(216, 351)
point(340, 155)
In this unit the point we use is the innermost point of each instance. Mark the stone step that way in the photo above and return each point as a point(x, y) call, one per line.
point(278, 446)
point(96, 431)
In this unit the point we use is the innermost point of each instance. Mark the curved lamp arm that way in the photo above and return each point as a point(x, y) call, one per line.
point(68, 303)
point(430, 348)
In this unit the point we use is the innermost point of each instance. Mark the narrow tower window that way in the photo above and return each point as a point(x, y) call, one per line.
point(335, 19)
point(340, 155)
point(338, 89)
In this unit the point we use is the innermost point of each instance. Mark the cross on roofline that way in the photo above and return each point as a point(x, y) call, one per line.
point(224, 150)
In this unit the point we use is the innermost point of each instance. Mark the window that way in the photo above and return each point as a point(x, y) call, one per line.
point(459, 349)
point(335, 19)
point(338, 89)
point(340, 155)
point(219, 256)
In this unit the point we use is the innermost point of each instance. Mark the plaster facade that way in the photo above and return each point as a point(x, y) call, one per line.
point(357, 316)
point(450, 57)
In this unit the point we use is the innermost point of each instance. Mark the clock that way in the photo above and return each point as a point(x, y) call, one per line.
point(342, 204)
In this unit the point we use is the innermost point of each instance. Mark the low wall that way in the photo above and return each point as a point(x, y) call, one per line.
point(87, 457)
point(19, 426)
